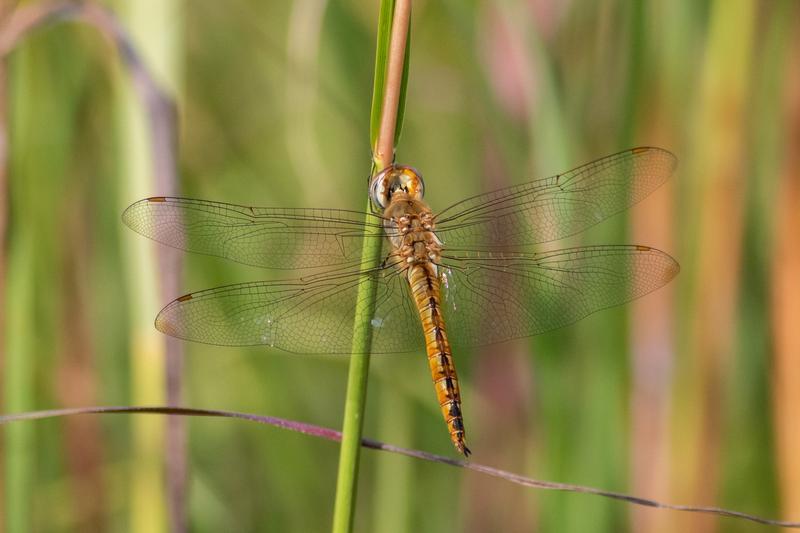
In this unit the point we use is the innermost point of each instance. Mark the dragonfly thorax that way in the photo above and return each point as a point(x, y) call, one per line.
point(394, 180)
point(410, 227)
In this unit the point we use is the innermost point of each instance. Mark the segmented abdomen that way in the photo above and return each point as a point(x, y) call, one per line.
point(425, 290)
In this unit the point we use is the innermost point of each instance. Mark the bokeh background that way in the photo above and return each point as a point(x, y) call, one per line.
point(689, 395)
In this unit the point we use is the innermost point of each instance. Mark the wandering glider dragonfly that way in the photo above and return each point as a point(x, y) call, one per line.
point(462, 277)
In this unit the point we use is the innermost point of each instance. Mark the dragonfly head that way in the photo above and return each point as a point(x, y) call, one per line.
point(396, 179)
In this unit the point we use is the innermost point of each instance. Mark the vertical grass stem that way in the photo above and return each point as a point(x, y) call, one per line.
point(390, 83)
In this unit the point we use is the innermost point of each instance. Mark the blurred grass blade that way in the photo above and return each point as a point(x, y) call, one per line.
point(147, 346)
point(715, 221)
point(4, 192)
point(785, 287)
point(149, 167)
point(34, 274)
point(394, 480)
point(18, 385)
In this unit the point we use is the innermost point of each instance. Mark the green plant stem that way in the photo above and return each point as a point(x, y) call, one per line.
point(390, 81)
point(354, 408)
point(18, 395)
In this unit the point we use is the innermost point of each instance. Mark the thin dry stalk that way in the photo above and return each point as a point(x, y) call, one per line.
point(333, 435)
point(384, 146)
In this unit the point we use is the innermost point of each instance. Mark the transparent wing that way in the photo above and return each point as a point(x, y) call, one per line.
point(555, 207)
point(265, 237)
point(494, 297)
point(313, 316)
point(486, 298)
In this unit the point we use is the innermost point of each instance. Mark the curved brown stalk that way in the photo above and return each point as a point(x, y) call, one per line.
point(333, 435)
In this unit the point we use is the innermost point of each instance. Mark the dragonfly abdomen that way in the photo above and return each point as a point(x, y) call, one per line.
point(425, 290)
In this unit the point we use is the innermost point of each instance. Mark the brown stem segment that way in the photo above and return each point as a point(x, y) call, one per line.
point(384, 146)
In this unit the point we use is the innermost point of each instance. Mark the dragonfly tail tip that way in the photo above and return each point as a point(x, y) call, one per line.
point(466, 452)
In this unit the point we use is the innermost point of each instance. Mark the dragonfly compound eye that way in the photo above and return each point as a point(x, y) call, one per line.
point(394, 180)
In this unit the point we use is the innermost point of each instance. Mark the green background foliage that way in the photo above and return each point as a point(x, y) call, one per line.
point(673, 397)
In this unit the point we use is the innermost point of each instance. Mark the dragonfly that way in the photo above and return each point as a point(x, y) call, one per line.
point(473, 274)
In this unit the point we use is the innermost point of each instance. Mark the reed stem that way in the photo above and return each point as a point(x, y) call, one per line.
point(390, 78)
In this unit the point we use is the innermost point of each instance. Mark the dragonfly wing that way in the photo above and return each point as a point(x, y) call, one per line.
point(312, 316)
point(265, 237)
point(556, 207)
point(494, 297)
